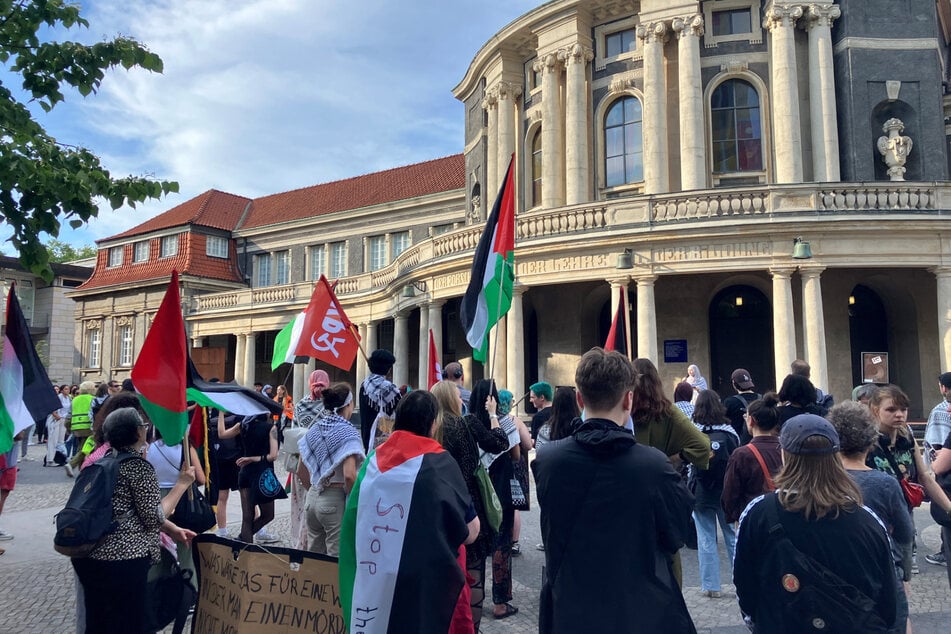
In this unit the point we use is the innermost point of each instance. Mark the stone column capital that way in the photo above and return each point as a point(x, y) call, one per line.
point(624, 280)
point(508, 90)
point(688, 26)
point(811, 271)
point(547, 62)
point(821, 15)
point(941, 272)
point(645, 279)
point(491, 99)
point(436, 303)
point(780, 15)
point(575, 54)
point(653, 32)
point(782, 272)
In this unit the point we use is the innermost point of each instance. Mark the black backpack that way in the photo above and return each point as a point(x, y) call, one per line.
point(87, 517)
point(722, 444)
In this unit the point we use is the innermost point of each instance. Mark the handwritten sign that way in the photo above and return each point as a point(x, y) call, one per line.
point(244, 589)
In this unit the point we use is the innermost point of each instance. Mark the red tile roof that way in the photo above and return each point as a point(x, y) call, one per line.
point(401, 183)
point(191, 259)
point(216, 209)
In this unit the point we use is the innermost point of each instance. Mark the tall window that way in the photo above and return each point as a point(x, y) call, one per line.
point(125, 345)
point(338, 260)
point(537, 169)
point(93, 348)
point(376, 252)
point(732, 22)
point(624, 142)
point(620, 42)
point(216, 247)
point(400, 242)
point(283, 267)
point(318, 261)
point(115, 256)
point(169, 246)
point(262, 266)
point(737, 130)
point(141, 251)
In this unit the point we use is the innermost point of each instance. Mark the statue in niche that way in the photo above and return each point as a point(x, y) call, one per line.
point(474, 215)
point(894, 148)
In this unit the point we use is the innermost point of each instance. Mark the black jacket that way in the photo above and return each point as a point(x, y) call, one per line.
point(613, 512)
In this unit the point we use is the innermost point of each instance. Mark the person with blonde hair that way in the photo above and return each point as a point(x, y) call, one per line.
point(810, 556)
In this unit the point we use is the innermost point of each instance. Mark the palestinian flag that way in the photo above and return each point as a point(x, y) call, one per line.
point(285, 343)
point(228, 397)
point(26, 394)
point(489, 295)
point(402, 528)
point(161, 369)
point(618, 334)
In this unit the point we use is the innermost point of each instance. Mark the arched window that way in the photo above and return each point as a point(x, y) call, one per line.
point(737, 129)
point(624, 143)
point(537, 168)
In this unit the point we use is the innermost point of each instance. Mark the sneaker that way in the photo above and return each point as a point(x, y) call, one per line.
point(937, 559)
point(69, 470)
point(712, 594)
point(264, 537)
point(540, 547)
point(5, 536)
point(222, 532)
point(516, 549)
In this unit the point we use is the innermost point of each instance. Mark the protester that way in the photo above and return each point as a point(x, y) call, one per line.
point(823, 400)
point(942, 470)
point(707, 486)
point(378, 395)
point(257, 483)
point(463, 437)
point(56, 427)
point(683, 398)
point(287, 402)
point(416, 578)
point(695, 379)
point(937, 430)
point(306, 411)
point(80, 424)
point(331, 453)
point(737, 404)
point(120, 400)
point(601, 488)
point(223, 458)
point(818, 509)
point(540, 395)
point(519, 465)
point(564, 415)
point(858, 434)
point(454, 374)
point(798, 397)
point(8, 480)
point(753, 467)
point(114, 574)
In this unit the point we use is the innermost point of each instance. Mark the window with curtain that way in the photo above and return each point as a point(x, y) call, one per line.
point(737, 128)
point(93, 347)
point(624, 142)
point(376, 252)
point(338, 260)
point(141, 252)
point(115, 256)
point(125, 345)
point(262, 267)
point(168, 246)
point(537, 168)
point(283, 260)
point(318, 261)
point(400, 242)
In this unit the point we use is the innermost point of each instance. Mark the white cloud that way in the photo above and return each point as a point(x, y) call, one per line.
point(261, 96)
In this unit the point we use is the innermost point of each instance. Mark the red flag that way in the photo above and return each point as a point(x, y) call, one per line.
point(196, 429)
point(617, 335)
point(327, 334)
point(160, 372)
point(435, 369)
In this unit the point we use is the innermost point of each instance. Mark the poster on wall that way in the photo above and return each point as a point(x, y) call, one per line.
point(874, 367)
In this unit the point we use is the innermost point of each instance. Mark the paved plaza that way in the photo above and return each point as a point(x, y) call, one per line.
point(38, 596)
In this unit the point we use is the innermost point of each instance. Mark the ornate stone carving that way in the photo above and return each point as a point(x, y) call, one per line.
point(474, 213)
point(782, 15)
point(821, 15)
point(621, 83)
point(688, 25)
point(125, 320)
point(536, 115)
point(652, 32)
point(509, 90)
point(892, 89)
point(734, 66)
point(575, 54)
point(546, 63)
point(93, 325)
point(894, 148)
point(491, 99)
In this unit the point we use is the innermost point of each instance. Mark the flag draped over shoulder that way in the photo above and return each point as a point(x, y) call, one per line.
point(228, 397)
point(434, 373)
point(160, 371)
point(404, 522)
point(489, 295)
point(326, 333)
point(285, 343)
point(26, 394)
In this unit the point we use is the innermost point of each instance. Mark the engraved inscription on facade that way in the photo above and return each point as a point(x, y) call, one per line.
point(712, 251)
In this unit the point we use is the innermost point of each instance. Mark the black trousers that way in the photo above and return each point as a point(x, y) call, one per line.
point(114, 594)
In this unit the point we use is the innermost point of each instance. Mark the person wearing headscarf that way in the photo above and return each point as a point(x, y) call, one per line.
point(378, 395)
point(331, 453)
point(306, 411)
point(695, 379)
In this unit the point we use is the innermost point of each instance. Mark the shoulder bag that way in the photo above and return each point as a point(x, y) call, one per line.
point(914, 493)
point(770, 485)
point(192, 511)
point(490, 499)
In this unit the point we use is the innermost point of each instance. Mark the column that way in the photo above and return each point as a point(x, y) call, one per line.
point(400, 349)
point(653, 36)
point(362, 369)
point(814, 325)
point(781, 22)
point(784, 322)
point(490, 104)
point(508, 94)
point(239, 347)
point(501, 347)
point(943, 275)
point(693, 164)
point(370, 344)
point(646, 318)
point(435, 323)
point(249, 360)
point(553, 174)
point(576, 58)
point(300, 387)
point(515, 360)
point(822, 107)
point(423, 376)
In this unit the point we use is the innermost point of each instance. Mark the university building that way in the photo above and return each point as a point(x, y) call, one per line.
point(765, 180)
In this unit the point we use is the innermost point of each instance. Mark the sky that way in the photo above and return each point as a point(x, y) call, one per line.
point(264, 96)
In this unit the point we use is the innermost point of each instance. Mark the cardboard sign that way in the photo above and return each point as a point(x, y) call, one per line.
point(245, 589)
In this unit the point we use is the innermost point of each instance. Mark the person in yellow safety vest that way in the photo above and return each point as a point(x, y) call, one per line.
point(80, 423)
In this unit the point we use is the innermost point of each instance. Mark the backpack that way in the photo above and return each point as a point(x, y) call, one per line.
point(722, 444)
point(87, 517)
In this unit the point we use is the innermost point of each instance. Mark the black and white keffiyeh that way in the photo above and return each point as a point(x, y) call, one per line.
point(330, 440)
point(382, 393)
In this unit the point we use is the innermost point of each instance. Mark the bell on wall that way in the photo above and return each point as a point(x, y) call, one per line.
point(801, 250)
point(625, 260)
point(409, 292)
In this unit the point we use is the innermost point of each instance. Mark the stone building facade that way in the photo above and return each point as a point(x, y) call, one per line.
point(677, 151)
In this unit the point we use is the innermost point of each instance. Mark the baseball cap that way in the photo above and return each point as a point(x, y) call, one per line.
point(742, 379)
point(800, 428)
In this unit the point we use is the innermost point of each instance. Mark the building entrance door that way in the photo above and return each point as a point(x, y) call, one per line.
point(741, 336)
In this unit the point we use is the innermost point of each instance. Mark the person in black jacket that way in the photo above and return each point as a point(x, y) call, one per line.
point(613, 513)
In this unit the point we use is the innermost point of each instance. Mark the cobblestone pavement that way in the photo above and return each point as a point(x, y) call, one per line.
point(38, 596)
